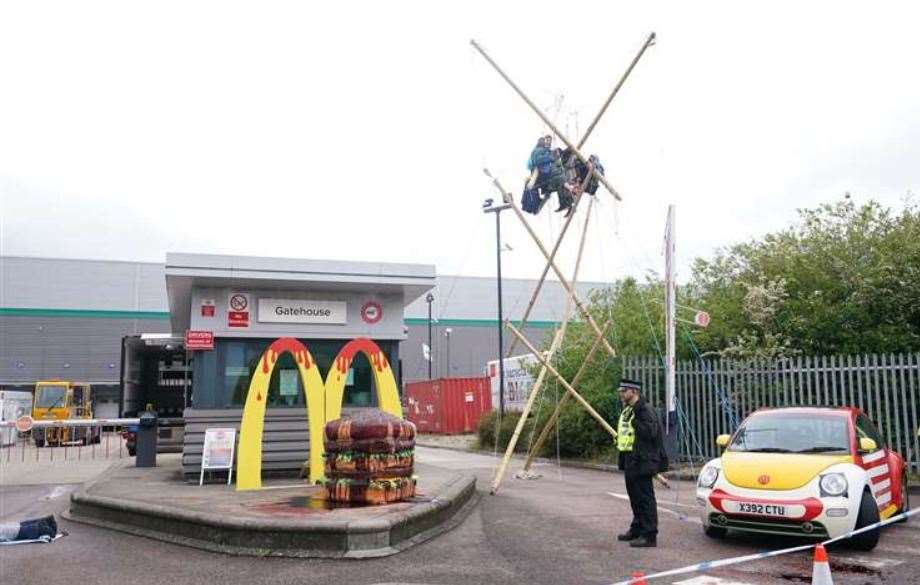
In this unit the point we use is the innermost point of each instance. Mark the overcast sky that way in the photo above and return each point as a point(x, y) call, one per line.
point(359, 130)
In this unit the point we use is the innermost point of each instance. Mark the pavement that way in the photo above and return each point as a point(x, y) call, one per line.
point(287, 517)
point(24, 464)
point(558, 529)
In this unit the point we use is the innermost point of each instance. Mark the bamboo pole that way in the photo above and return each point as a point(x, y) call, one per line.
point(562, 381)
point(575, 150)
point(562, 280)
point(544, 434)
point(660, 478)
point(538, 384)
point(648, 43)
point(565, 226)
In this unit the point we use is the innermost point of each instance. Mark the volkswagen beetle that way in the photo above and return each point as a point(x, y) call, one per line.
point(813, 472)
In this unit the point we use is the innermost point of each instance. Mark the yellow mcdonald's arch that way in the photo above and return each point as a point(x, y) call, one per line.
point(249, 460)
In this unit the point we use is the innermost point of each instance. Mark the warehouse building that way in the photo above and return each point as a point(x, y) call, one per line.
point(65, 318)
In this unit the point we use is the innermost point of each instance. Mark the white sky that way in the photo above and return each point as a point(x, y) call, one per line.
point(358, 130)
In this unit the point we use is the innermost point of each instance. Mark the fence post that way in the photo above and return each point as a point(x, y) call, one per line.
point(913, 374)
point(904, 410)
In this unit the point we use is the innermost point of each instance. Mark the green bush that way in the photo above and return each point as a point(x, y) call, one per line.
point(487, 427)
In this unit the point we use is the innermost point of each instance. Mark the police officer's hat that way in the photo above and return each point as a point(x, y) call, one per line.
point(627, 384)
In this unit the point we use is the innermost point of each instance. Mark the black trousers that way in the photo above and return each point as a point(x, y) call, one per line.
point(644, 507)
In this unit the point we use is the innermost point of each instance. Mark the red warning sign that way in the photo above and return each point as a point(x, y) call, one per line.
point(371, 312)
point(238, 310)
point(197, 340)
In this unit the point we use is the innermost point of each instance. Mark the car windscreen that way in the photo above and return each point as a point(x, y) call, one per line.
point(792, 433)
point(48, 396)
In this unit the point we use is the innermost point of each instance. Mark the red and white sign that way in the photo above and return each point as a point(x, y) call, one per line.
point(195, 340)
point(701, 318)
point(207, 307)
point(24, 423)
point(371, 312)
point(238, 310)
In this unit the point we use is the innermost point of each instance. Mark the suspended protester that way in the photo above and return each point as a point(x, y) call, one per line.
point(578, 171)
point(547, 176)
point(640, 442)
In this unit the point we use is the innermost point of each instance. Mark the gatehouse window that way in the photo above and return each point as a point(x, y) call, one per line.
point(222, 376)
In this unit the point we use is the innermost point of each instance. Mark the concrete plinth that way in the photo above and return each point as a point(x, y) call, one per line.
point(285, 518)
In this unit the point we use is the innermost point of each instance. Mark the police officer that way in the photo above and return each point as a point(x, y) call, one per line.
point(640, 443)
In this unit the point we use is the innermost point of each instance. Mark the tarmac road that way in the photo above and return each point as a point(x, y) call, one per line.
point(559, 529)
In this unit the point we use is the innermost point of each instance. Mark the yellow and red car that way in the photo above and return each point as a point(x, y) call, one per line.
point(813, 472)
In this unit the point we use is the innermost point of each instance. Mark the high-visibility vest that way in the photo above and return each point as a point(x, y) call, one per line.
point(626, 434)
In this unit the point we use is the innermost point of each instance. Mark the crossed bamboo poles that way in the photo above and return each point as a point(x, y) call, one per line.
point(572, 299)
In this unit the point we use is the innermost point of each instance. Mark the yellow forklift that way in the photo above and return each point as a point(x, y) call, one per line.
point(63, 400)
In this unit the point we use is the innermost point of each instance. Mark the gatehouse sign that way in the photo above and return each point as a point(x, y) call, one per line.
point(302, 311)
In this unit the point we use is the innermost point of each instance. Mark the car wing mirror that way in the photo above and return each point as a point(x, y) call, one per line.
point(866, 445)
point(722, 440)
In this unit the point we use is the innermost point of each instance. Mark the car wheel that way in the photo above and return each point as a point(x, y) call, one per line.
point(868, 514)
point(715, 532)
point(39, 442)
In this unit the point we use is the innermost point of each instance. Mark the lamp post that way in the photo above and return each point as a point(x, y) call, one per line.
point(487, 207)
point(447, 333)
point(428, 299)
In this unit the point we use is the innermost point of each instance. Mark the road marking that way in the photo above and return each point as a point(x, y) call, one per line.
point(681, 504)
point(871, 562)
point(679, 515)
point(706, 580)
point(58, 491)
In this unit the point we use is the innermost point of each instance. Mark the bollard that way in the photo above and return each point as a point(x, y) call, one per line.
point(147, 440)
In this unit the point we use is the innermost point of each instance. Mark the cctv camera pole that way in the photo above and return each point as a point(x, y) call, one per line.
point(501, 340)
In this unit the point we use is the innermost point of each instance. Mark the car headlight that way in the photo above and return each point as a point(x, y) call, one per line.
point(708, 477)
point(833, 484)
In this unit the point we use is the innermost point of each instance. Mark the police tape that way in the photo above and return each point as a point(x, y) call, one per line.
point(707, 565)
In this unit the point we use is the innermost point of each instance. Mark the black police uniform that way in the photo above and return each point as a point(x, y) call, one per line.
point(640, 465)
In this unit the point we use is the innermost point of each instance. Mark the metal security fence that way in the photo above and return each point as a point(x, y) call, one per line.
point(86, 439)
point(716, 394)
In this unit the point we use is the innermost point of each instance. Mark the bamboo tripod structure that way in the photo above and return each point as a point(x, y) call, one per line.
point(557, 341)
point(572, 298)
point(565, 226)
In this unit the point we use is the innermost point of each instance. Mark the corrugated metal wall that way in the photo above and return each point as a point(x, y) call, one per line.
point(59, 311)
point(85, 349)
point(285, 437)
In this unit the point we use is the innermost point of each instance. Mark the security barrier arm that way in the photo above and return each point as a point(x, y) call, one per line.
point(568, 143)
point(534, 392)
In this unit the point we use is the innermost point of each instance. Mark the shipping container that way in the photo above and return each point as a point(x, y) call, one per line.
point(448, 405)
